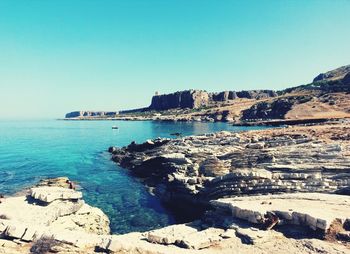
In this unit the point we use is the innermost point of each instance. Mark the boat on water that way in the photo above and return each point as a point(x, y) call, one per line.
point(115, 127)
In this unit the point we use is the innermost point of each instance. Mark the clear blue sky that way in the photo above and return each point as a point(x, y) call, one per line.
point(63, 55)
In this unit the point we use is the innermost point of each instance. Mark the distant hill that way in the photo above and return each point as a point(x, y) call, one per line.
point(336, 74)
point(327, 96)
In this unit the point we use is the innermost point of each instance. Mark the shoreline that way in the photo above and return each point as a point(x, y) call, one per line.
point(180, 175)
point(291, 122)
point(179, 163)
point(218, 231)
point(238, 219)
point(272, 122)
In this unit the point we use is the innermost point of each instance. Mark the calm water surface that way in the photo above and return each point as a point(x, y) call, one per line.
point(32, 150)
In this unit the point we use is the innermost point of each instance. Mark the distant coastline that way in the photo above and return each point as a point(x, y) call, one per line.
point(326, 98)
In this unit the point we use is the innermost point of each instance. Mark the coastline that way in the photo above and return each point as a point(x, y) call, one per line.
point(195, 171)
point(272, 122)
point(216, 232)
point(232, 222)
point(175, 127)
point(191, 164)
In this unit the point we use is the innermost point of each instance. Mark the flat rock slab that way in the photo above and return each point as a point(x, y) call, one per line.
point(87, 218)
point(171, 234)
point(203, 239)
point(49, 194)
point(314, 210)
point(28, 212)
point(253, 236)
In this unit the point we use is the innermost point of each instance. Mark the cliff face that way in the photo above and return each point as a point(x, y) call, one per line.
point(198, 98)
point(183, 99)
point(326, 97)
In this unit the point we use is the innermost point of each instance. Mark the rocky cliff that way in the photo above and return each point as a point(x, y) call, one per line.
point(194, 99)
point(183, 99)
point(326, 97)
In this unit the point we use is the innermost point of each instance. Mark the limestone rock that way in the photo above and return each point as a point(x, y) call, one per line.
point(49, 194)
point(171, 234)
point(178, 158)
point(194, 99)
point(53, 212)
point(253, 235)
point(202, 239)
point(207, 167)
point(313, 210)
point(212, 166)
point(183, 99)
point(88, 219)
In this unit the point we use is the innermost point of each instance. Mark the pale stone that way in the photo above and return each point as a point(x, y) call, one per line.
point(3, 225)
point(202, 239)
point(49, 194)
point(252, 236)
point(8, 243)
point(311, 221)
point(170, 234)
point(15, 229)
point(30, 234)
point(313, 210)
point(258, 145)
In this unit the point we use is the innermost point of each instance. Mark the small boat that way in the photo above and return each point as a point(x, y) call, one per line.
point(115, 127)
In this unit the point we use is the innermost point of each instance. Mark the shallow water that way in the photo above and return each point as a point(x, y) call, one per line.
point(32, 150)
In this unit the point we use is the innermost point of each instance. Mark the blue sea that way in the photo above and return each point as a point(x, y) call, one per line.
point(32, 150)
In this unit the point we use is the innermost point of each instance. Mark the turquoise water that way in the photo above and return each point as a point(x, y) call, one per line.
point(32, 150)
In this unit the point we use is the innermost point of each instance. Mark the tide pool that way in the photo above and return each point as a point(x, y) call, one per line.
point(33, 150)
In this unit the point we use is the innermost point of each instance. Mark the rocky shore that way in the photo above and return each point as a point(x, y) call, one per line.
point(198, 169)
point(294, 176)
point(282, 190)
point(53, 218)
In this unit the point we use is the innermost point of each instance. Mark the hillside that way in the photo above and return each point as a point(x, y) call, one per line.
point(327, 96)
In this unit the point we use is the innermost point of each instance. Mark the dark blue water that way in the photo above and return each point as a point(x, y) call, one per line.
point(32, 150)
